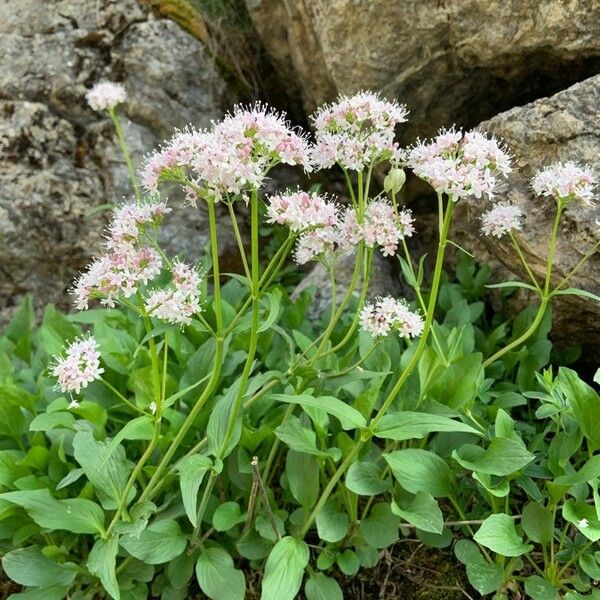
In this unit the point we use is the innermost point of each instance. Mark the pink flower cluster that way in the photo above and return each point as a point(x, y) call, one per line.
point(79, 367)
point(300, 210)
point(388, 314)
point(501, 219)
point(356, 131)
point(230, 159)
point(106, 95)
point(458, 164)
point(180, 302)
point(126, 265)
point(565, 181)
point(386, 227)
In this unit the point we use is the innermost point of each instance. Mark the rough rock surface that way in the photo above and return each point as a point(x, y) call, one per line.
point(448, 60)
point(564, 127)
point(59, 159)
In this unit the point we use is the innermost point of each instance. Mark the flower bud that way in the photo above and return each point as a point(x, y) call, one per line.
point(394, 180)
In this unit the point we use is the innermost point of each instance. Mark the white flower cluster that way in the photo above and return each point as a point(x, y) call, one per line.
point(565, 181)
point(501, 219)
point(231, 158)
point(79, 366)
point(458, 164)
point(389, 314)
point(106, 95)
point(179, 302)
point(356, 131)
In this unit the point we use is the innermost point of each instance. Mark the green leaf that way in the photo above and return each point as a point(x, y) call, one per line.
point(302, 472)
point(364, 478)
point(512, 284)
point(423, 512)
point(140, 428)
point(332, 524)
point(577, 292)
point(227, 515)
point(349, 417)
point(106, 468)
point(274, 307)
point(537, 523)
point(159, 543)
point(589, 565)
point(217, 576)
point(584, 517)
point(499, 534)
point(174, 397)
point(457, 386)
point(102, 563)
point(589, 471)
point(53, 420)
point(284, 569)
point(75, 514)
point(28, 566)
point(538, 588)
point(503, 456)
point(380, 528)
point(409, 425)
point(297, 437)
point(483, 576)
point(321, 587)
point(418, 470)
point(191, 472)
point(584, 401)
point(348, 562)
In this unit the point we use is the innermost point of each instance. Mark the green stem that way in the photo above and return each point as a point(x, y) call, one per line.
point(552, 248)
point(237, 404)
point(402, 379)
point(238, 238)
point(125, 151)
point(121, 397)
point(522, 338)
point(216, 372)
point(361, 302)
point(134, 475)
point(578, 266)
point(517, 248)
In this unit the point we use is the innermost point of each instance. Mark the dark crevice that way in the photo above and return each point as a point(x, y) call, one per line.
point(538, 75)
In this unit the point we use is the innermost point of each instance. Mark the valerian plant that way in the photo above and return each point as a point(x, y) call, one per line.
point(194, 421)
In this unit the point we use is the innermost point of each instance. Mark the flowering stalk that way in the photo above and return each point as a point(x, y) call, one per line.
point(237, 405)
point(125, 151)
point(218, 360)
point(368, 432)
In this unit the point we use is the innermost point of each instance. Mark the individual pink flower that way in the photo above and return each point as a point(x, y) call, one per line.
point(356, 131)
point(388, 314)
point(79, 366)
point(179, 302)
point(386, 227)
point(565, 181)
point(458, 164)
point(501, 219)
point(301, 210)
point(106, 95)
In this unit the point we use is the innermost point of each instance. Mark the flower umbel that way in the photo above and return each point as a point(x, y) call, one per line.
point(79, 367)
point(388, 314)
point(300, 210)
point(460, 165)
point(106, 95)
point(180, 302)
point(501, 219)
point(386, 227)
point(565, 181)
point(356, 131)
